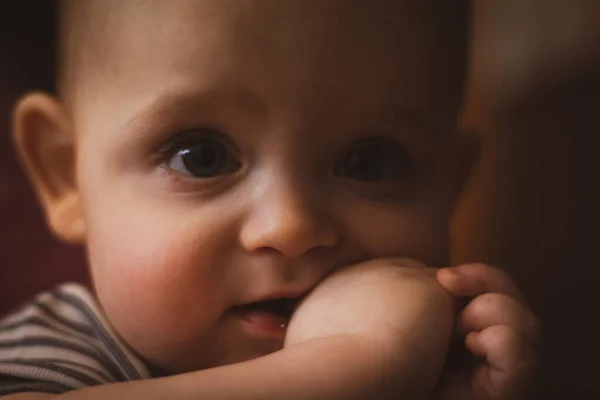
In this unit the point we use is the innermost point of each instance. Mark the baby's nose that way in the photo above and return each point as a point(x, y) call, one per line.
point(288, 223)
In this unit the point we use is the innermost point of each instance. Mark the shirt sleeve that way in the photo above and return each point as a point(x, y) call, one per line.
point(62, 342)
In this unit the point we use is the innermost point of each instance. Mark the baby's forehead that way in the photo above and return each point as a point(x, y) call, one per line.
point(277, 41)
point(281, 22)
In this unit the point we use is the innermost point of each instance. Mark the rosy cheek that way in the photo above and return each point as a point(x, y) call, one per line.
point(154, 274)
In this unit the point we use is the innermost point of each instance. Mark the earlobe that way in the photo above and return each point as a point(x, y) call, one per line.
point(45, 142)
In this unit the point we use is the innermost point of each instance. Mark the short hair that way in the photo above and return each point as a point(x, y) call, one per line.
point(451, 20)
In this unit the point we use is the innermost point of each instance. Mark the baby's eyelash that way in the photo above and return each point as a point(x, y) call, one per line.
point(168, 149)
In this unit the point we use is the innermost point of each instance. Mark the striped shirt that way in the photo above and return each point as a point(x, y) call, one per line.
point(60, 342)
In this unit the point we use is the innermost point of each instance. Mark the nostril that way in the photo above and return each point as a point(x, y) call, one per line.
point(288, 244)
point(291, 231)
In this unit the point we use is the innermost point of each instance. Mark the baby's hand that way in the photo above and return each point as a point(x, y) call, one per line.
point(500, 329)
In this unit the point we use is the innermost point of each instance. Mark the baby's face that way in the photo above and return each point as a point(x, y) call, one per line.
point(232, 151)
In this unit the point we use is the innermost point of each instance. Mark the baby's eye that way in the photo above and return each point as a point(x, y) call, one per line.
point(374, 162)
point(203, 158)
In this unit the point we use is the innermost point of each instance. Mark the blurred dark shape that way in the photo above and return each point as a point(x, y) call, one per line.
point(563, 276)
point(533, 207)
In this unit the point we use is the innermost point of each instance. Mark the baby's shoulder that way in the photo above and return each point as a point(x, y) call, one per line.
point(61, 341)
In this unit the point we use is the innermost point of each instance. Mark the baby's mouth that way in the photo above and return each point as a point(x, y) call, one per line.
point(268, 317)
point(281, 308)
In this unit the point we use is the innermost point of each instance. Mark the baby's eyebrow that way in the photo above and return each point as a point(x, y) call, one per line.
point(421, 119)
point(181, 100)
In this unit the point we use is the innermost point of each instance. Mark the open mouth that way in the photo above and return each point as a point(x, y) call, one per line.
point(281, 308)
point(268, 317)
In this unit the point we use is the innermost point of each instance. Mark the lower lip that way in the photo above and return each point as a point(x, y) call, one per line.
point(263, 324)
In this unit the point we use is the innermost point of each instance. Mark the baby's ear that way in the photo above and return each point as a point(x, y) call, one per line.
point(469, 157)
point(45, 141)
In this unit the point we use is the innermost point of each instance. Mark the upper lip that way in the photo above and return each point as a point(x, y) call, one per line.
point(287, 295)
point(280, 295)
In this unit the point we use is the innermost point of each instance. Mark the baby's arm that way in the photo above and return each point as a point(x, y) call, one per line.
point(375, 330)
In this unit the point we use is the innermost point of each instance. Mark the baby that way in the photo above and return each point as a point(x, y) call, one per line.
point(245, 176)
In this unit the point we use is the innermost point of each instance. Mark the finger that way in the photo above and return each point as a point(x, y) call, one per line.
point(471, 280)
point(498, 309)
point(510, 363)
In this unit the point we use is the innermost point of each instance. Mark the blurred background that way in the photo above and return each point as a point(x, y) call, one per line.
point(533, 207)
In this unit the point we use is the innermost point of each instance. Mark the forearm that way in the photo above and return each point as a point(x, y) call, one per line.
point(338, 367)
